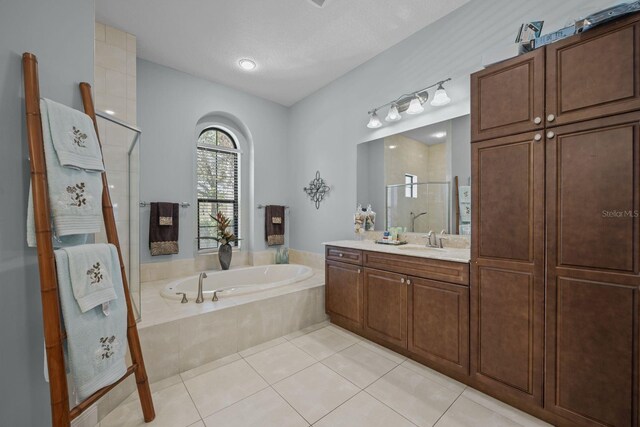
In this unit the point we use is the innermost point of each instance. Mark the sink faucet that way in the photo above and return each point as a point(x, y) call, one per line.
point(200, 298)
point(413, 219)
point(431, 235)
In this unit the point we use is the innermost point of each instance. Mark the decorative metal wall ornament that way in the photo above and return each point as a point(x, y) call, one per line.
point(317, 190)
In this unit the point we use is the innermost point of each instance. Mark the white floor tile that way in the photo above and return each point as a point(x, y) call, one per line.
point(323, 343)
point(436, 376)
point(224, 386)
point(157, 386)
point(279, 362)
point(315, 391)
point(502, 408)
point(383, 351)
point(258, 348)
point(209, 366)
point(264, 409)
point(363, 411)
point(417, 398)
point(338, 330)
point(466, 413)
point(359, 365)
point(173, 406)
point(198, 424)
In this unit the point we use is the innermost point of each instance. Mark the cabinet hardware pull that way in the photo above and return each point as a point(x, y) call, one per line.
point(359, 271)
point(551, 118)
point(402, 280)
point(538, 137)
point(537, 120)
point(550, 134)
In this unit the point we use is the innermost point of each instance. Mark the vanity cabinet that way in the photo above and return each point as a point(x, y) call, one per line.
point(385, 296)
point(593, 174)
point(594, 74)
point(507, 270)
point(439, 323)
point(508, 99)
point(555, 259)
point(414, 305)
point(344, 292)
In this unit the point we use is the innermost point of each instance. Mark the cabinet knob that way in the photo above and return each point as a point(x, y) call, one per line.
point(408, 281)
point(538, 137)
point(550, 134)
point(402, 280)
point(537, 120)
point(551, 118)
point(359, 271)
point(340, 255)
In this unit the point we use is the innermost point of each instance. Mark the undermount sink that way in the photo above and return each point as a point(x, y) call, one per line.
point(421, 248)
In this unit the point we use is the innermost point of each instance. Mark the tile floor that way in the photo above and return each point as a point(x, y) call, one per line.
point(322, 376)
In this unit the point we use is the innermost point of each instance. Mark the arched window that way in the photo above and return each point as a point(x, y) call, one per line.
point(217, 171)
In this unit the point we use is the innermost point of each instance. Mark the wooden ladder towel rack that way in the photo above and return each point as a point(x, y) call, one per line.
point(61, 413)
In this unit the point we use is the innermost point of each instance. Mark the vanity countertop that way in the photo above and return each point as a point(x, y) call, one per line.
point(445, 254)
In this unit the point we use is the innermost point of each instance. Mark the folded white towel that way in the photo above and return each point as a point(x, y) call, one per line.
point(96, 344)
point(90, 268)
point(75, 195)
point(74, 137)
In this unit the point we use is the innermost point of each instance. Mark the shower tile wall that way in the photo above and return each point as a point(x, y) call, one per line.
point(115, 90)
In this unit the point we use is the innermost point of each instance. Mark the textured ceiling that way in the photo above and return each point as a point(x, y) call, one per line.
point(298, 47)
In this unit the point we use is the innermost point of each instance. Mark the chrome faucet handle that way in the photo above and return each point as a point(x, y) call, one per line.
point(440, 241)
point(184, 297)
point(215, 295)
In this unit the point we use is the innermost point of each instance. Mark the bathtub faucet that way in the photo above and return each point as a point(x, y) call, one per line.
point(200, 298)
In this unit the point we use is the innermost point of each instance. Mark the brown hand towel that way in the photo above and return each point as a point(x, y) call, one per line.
point(274, 225)
point(163, 239)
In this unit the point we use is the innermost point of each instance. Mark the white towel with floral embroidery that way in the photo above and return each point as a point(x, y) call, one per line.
point(96, 344)
point(74, 137)
point(90, 268)
point(75, 195)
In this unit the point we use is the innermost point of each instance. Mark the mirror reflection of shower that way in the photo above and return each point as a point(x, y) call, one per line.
point(413, 219)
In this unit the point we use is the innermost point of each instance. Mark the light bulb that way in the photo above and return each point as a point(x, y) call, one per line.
point(415, 106)
point(374, 121)
point(440, 97)
point(247, 64)
point(393, 115)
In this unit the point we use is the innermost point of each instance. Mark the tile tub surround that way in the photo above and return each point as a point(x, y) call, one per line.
point(288, 382)
point(178, 337)
point(414, 250)
point(173, 269)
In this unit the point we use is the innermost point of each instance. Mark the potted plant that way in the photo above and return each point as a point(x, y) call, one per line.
point(224, 237)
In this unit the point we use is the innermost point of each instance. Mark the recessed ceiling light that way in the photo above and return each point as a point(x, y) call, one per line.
point(439, 134)
point(247, 64)
point(110, 112)
point(391, 147)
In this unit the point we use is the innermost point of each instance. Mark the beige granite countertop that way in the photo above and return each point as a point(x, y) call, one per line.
point(445, 254)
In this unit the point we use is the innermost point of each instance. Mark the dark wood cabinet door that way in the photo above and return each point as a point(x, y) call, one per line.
point(439, 323)
point(344, 293)
point(594, 74)
point(385, 306)
point(507, 270)
point(593, 201)
point(508, 98)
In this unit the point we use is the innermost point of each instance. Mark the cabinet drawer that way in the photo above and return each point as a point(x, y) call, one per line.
point(352, 256)
point(447, 271)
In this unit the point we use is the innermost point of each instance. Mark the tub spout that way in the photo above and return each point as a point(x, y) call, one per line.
point(200, 298)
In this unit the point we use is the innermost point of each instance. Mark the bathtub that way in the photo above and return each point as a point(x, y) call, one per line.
point(239, 281)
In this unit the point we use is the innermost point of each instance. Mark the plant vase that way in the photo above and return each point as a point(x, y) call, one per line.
point(224, 255)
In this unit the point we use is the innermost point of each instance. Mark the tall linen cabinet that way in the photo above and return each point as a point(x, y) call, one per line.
point(556, 228)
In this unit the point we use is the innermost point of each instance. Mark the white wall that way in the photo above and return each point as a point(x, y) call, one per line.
point(326, 126)
point(170, 104)
point(60, 33)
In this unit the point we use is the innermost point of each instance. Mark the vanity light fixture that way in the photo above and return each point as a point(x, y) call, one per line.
point(439, 134)
point(394, 114)
point(247, 64)
point(415, 106)
point(411, 103)
point(440, 97)
point(374, 120)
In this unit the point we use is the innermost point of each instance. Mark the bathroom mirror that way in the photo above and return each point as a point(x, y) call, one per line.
point(419, 180)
